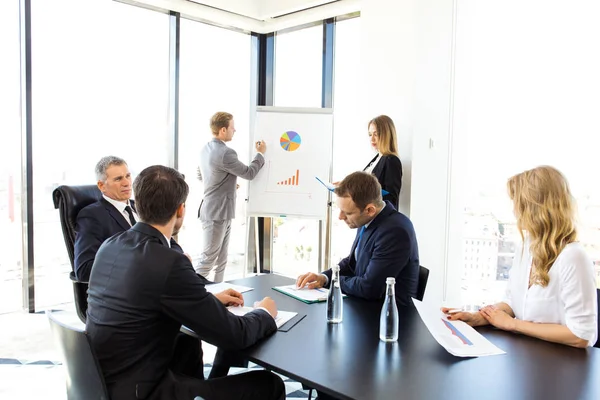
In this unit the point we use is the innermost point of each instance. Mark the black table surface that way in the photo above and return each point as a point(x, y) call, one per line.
point(349, 361)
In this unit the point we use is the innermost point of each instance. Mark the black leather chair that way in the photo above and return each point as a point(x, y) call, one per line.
point(69, 200)
point(598, 316)
point(84, 377)
point(423, 277)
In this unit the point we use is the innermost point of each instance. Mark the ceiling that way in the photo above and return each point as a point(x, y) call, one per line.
point(260, 16)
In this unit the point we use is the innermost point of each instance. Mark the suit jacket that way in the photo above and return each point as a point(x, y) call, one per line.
point(140, 293)
point(220, 167)
point(388, 248)
point(96, 223)
point(388, 172)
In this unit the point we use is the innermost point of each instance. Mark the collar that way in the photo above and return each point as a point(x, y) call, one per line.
point(119, 205)
point(376, 215)
point(152, 231)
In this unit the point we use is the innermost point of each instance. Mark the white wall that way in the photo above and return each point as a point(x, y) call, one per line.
point(407, 53)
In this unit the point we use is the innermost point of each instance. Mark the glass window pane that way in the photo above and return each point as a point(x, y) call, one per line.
point(298, 83)
point(350, 132)
point(215, 76)
point(517, 109)
point(97, 91)
point(299, 68)
point(10, 160)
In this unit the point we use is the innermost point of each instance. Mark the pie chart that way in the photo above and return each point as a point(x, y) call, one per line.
point(290, 141)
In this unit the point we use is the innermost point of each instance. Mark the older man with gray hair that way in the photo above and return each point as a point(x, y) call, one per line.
point(114, 213)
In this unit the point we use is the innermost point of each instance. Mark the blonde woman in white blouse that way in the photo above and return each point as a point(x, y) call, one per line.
point(551, 291)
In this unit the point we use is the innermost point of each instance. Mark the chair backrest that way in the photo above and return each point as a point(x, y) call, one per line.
point(422, 285)
point(598, 317)
point(69, 200)
point(84, 376)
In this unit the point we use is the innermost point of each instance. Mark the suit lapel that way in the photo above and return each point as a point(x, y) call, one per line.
point(116, 215)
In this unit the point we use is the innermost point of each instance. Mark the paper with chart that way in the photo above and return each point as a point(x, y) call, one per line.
point(458, 338)
point(219, 287)
point(282, 316)
point(298, 149)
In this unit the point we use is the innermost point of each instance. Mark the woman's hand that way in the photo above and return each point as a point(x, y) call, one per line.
point(499, 318)
point(473, 319)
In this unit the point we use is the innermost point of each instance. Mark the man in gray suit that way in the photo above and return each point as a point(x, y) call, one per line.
point(220, 167)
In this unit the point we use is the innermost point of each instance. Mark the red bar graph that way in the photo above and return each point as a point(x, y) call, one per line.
point(292, 181)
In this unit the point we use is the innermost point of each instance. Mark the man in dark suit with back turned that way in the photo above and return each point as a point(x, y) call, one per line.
point(385, 244)
point(114, 213)
point(140, 293)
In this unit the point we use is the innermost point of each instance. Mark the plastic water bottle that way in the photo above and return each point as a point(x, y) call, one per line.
point(335, 305)
point(388, 321)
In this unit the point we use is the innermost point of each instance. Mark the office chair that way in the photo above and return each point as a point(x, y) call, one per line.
point(84, 377)
point(598, 317)
point(422, 285)
point(69, 200)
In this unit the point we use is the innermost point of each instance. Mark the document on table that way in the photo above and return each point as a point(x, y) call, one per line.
point(282, 316)
point(305, 295)
point(457, 337)
point(219, 287)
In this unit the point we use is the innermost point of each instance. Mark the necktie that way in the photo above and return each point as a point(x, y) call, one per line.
point(131, 218)
point(362, 230)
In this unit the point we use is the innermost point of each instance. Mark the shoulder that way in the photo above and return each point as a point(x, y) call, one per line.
point(573, 257)
point(92, 210)
point(396, 223)
point(391, 160)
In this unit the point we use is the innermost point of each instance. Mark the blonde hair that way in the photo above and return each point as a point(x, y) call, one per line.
point(220, 120)
point(545, 208)
point(387, 142)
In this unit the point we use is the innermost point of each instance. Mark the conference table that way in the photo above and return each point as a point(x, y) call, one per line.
point(349, 361)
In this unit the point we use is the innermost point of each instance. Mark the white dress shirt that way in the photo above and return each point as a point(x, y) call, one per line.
point(569, 299)
point(120, 206)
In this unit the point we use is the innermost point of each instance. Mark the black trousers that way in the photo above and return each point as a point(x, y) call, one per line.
point(255, 385)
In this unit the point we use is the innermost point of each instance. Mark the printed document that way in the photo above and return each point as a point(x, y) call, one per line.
point(457, 337)
point(282, 316)
point(305, 295)
point(219, 287)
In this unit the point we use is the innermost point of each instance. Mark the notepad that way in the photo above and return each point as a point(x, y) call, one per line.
point(280, 320)
point(219, 287)
point(308, 296)
point(331, 186)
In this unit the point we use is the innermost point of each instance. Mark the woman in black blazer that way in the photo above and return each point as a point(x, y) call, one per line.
point(386, 165)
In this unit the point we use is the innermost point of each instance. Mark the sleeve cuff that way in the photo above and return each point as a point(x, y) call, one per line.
point(326, 280)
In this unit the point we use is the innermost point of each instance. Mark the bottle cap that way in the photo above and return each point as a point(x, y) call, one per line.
point(390, 280)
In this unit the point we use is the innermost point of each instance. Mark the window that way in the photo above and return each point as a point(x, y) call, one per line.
point(100, 88)
point(524, 99)
point(298, 83)
point(299, 68)
point(215, 76)
point(10, 160)
point(350, 133)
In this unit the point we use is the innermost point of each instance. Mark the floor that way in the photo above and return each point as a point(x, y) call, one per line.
point(31, 368)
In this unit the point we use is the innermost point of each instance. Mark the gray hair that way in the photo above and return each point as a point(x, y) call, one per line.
point(103, 165)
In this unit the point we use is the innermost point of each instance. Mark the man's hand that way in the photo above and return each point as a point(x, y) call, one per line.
point(189, 257)
point(269, 304)
point(261, 146)
point(312, 280)
point(473, 319)
point(230, 297)
point(499, 318)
